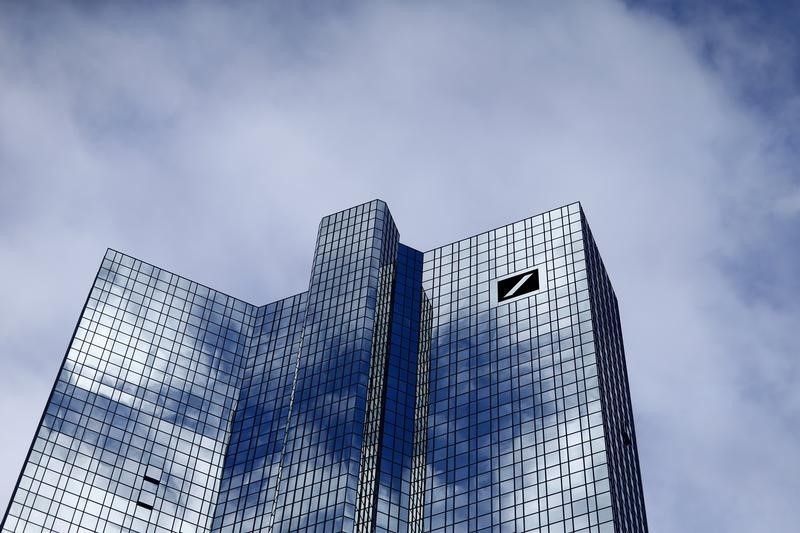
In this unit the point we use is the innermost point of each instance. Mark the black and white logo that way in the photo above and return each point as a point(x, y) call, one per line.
point(518, 285)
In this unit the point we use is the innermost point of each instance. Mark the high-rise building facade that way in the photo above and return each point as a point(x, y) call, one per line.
point(478, 386)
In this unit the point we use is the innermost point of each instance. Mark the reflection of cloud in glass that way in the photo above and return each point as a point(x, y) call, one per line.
point(395, 394)
point(512, 434)
point(149, 382)
point(320, 468)
point(249, 477)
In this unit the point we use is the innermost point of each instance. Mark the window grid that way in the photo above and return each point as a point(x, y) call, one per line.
point(396, 394)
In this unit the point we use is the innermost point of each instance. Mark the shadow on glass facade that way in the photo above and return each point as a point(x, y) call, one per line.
point(479, 386)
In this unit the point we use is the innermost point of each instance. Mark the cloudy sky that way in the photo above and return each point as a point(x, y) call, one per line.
point(210, 140)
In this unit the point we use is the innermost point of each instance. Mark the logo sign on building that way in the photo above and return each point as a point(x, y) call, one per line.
point(517, 285)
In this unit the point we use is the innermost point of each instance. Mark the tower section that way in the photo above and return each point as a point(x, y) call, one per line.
point(137, 425)
point(528, 416)
point(345, 331)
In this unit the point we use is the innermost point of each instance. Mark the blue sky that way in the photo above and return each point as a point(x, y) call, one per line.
point(210, 140)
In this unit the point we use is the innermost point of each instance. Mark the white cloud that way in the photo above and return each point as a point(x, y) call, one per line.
point(211, 140)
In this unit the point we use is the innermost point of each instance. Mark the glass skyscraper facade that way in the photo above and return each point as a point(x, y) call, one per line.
point(478, 386)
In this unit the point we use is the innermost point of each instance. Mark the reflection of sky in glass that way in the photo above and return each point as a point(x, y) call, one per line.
point(147, 389)
point(249, 477)
point(320, 468)
point(394, 474)
point(395, 394)
point(515, 434)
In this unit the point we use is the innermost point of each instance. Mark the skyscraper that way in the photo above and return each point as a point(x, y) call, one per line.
point(478, 386)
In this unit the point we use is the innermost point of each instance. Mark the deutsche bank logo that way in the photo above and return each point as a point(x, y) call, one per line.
point(517, 285)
